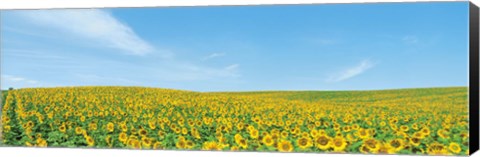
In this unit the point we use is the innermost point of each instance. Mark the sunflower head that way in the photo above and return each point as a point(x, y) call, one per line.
point(234, 148)
point(454, 148)
point(212, 146)
point(146, 142)
point(78, 130)
point(304, 142)
point(415, 141)
point(110, 127)
point(322, 142)
point(122, 137)
point(442, 133)
point(364, 149)
point(436, 149)
point(254, 133)
point(372, 144)
point(157, 145)
point(142, 132)
point(339, 144)
point(189, 144)
point(396, 144)
point(184, 131)
point(285, 146)
point(62, 128)
point(385, 148)
point(362, 133)
point(268, 140)
point(243, 143)
point(90, 141)
point(181, 144)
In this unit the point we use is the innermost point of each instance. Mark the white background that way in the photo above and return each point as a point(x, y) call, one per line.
point(50, 152)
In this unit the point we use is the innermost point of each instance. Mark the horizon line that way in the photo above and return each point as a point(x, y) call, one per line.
point(266, 90)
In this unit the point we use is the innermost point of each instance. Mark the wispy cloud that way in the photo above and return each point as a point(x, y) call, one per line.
point(213, 55)
point(191, 72)
point(101, 28)
point(30, 54)
point(93, 78)
point(18, 80)
point(231, 71)
point(410, 39)
point(232, 67)
point(351, 72)
point(96, 26)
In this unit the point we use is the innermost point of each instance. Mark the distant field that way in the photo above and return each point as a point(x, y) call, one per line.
point(404, 121)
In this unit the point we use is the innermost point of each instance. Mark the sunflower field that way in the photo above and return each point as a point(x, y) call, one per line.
point(404, 121)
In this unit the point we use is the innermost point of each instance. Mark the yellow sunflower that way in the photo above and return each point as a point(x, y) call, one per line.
point(41, 142)
point(436, 148)
point(62, 128)
point(304, 142)
point(142, 132)
point(425, 131)
point(404, 128)
point(184, 131)
point(212, 146)
point(234, 148)
point(397, 144)
point(78, 130)
point(157, 145)
point(237, 137)
point(254, 133)
point(90, 141)
point(122, 137)
point(454, 148)
point(362, 133)
point(189, 144)
point(284, 134)
point(267, 140)
point(92, 126)
point(124, 127)
point(108, 139)
point(415, 141)
point(385, 148)
point(313, 133)
point(146, 142)
point(110, 127)
point(285, 146)
point(243, 143)
point(372, 144)
point(322, 142)
point(339, 144)
point(364, 149)
point(442, 133)
point(181, 144)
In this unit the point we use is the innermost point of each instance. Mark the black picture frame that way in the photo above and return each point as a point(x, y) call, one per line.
point(474, 77)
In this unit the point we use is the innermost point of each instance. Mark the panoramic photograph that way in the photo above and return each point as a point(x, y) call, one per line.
point(378, 78)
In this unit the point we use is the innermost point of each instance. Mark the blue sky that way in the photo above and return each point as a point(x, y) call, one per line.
point(239, 48)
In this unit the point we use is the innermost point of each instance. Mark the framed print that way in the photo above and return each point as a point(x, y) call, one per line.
point(359, 78)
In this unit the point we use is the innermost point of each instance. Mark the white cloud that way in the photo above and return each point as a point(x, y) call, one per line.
point(24, 53)
point(192, 72)
point(351, 72)
point(232, 67)
point(214, 55)
point(92, 78)
point(96, 26)
point(10, 79)
point(410, 39)
point(101, 28)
